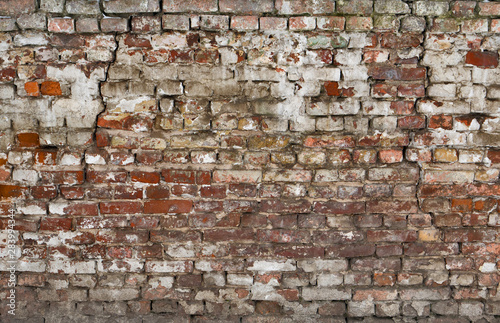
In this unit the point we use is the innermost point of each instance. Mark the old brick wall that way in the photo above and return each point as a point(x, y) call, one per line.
point(250, 160)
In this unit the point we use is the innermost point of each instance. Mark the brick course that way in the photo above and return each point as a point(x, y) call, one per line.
point(251, 160)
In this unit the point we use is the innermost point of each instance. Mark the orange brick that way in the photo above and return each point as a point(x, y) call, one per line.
point(51, 88)
point(461, 205)
point(390, 156)
point(28, 139)
point(384, 279)
point(445, 155)
point(32, 88)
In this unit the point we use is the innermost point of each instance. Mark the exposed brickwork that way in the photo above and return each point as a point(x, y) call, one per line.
point(250, 160)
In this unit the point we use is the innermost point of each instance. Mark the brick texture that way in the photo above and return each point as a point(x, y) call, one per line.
point(250, 161)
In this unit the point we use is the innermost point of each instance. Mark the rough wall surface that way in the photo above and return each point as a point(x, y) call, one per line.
point(250, 160)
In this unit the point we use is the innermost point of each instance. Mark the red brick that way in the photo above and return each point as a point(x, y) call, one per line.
point(379, 279)
point(368, 220)
point(218, 235)
point(489, 9)
point(56, 224)
point(144, 222)
point(483, 59)
point(61, 25)
point(337, 237)
point(359, 23)
point(4, 174)
point(93, 252)
point(459, 263)
point(125, 192)
point(206, 56)
point(216, 192)
point(470, 235)
point(30, 279)
point(20, 225)
point(121, 207)
point(390, 156)
point(283, 236)
point(101, 177)
point(108, 222)
point(384, 90)
point(391, 206)
point(175, 236)
point(81, 208)
point(190, 6)
point(273, 23)
point(253, 220)
point(411, 122)
point(267, 308)
point(122, 236)
point(463, 8)
point(146, 24)
point(389, 250)
point(302, 23)
point(7, 74)
point(377, 294)
point(121, 158)
point(430, 249)
point(331, 23)
point(405, 40)
point(334, 207)
point(179, 176)
point(148, 158)
point(119, 252)
point(297, 252)
point(411, 90)
point(484, 205)
point(184, 190)
point(289, 294)
point(62, 177)
point(44, 192)
point(350, 251)
point(167, 206)
point(157, 192)
point(403, 107)
point(441, 121)
point(383, 140)
point(243, 190)
point(470, 220)
point(45, 157)
point(72, 193)
point(189, 281)
point(145, 177)
point(285, 206)
point(245, 22)
point(102, 138)
point(342, 142)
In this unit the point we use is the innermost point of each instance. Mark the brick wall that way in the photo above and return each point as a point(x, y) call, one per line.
point(250, 160)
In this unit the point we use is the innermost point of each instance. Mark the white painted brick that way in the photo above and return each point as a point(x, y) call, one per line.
point(25, 176)
point(322, 265)
point(239, 279)
point(71, 267)
point(267, 266)
point(442, 90)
